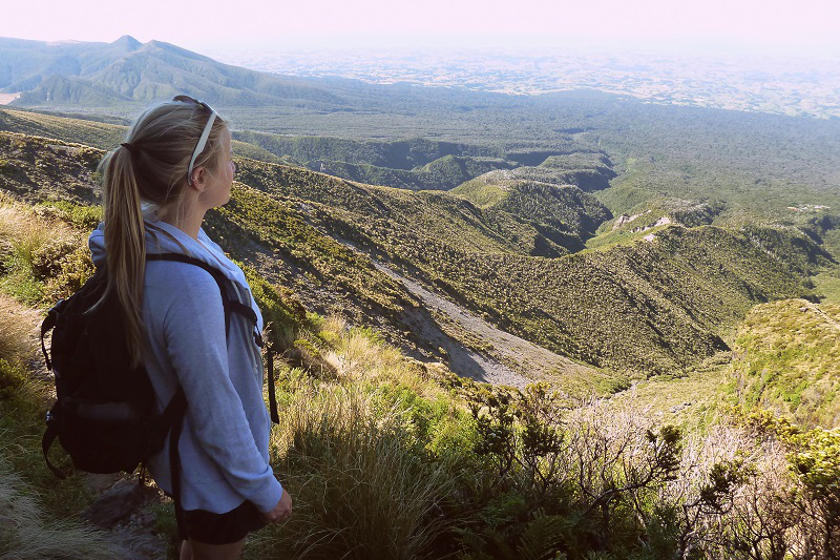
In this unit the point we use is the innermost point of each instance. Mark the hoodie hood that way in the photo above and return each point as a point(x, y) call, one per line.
point(162, 237)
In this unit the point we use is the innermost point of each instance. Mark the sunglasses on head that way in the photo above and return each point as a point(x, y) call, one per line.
point(202, 141)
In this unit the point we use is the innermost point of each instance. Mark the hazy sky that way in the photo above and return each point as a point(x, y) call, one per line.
point(792, 26)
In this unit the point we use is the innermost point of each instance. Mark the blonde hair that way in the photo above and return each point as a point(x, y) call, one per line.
point(151, 167)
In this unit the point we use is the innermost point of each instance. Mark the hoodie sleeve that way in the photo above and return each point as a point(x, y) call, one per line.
point(195, 338)
point(96, 243)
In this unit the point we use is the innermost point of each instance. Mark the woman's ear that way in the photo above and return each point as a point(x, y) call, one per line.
point(198, 179)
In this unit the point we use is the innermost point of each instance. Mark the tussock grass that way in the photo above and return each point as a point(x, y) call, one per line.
point(27, 534)
point(351, 453)
point(32, 249)
point(26, 231)
point(363, 486)
point(18, 330)
point(360, 355)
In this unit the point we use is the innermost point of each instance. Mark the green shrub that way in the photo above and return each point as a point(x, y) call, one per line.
point(46, 260)
point(81, 217)
point(73, 270)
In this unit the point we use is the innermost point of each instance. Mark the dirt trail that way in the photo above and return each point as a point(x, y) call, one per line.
point(514, 360)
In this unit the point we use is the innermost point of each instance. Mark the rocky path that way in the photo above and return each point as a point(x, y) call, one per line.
point(124, 511)
point(511, 361)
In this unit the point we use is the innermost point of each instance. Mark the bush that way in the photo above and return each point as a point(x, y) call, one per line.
point(72, 271)
point(34, 249)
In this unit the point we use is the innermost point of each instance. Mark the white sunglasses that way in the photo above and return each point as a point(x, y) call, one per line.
point(202, 141)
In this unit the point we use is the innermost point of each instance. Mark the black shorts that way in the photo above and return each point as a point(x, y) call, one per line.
point(218, 528)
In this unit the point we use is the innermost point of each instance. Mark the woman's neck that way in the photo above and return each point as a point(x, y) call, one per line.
point(188, 222)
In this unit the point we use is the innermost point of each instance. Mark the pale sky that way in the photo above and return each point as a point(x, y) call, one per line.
point(780, 26)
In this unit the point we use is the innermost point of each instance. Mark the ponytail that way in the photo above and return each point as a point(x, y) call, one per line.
point(125, 244)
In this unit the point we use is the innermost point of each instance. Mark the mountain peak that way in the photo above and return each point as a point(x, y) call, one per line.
point(128, 42)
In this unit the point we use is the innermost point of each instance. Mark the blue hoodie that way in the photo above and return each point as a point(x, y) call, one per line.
point(224, 441)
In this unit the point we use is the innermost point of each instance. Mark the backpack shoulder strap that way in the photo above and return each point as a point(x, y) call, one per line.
point(230, 306)
point(220, 279)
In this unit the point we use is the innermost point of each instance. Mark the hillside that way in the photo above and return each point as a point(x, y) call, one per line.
point(419, 164)
point(90, 132)
point(785, 359)
point(290, 241)
point(441, 174)
point(393, 459)
point(566, 208)
point(649, 306)
point(36, 169)
point(645, 307)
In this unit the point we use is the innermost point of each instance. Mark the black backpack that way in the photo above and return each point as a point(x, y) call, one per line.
point(104, 414)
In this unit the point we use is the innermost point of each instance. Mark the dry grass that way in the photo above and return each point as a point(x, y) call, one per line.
point(358, 356)
point(31, 248)
point(28, 231)
point(363, 482)
point(361, 485)
point(18, 331)
point(25, 534)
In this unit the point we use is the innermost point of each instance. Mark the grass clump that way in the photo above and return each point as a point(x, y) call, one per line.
point(41, 258)
point(17, 340)
point(363, 486)
point(27, 534)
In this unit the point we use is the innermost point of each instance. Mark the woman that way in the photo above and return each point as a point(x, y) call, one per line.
point(176, 165)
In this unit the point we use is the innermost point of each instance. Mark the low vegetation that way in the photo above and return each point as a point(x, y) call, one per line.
point(33, 506)
point(29, 534)
point(786, 359)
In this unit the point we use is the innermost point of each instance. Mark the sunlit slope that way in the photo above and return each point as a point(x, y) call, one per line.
point(562, 208)
point(655, 305)
point(786, 358)
point(441, 174)
point(276, 238)
point(415, 220)
point(90, 132)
